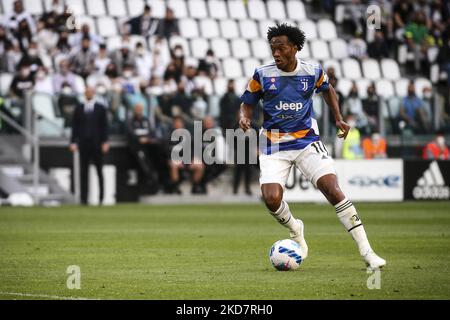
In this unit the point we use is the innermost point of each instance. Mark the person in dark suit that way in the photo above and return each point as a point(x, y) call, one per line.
point(144, 25)
point(90, 137)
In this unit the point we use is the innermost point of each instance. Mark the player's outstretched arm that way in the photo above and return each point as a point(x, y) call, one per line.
point(331, 99)
point(245, 116)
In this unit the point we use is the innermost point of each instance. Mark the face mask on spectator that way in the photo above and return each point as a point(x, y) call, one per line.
point(101, 90)
point(156, 91)
point(178, 53)
point(32, 52)
point(427, 94)
point(351, 123)
point(209, 59)
point(440, 141)
point(66, 90)
point(40, 75)
point(25, 72)
point(127, 74)
point(140, 51)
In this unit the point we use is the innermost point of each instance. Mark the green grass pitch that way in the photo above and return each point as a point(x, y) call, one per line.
point(219, 252)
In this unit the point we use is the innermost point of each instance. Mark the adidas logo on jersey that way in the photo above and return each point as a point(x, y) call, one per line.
point(272, 87)
point(431, 185)
point(289, 106)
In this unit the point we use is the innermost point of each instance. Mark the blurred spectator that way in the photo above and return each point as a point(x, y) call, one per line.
point(90, 137)
point(168, 26)
point(177, 168)
point(23, 81)
point(413, 112)
point(436, 149)
point(356, 10)
point(144, 25)
point(7, 47)
point(62, 45)
point(43, 82)
point(82, 60)
point(357, 47)
point(161, 57)
point(23, 35)
point(403, 11)
point(229, 107)
point(76, 39)
point(17, 16)
point(189, 79)
point(123, 56)
point(214, 158)
point(199, 105)
point(353, 106)
point(46, 38)
point(141, 138)
point(209, 65)
point(351, 146)
point(378, 48)
point(427, 98)
point(443, 58)
point(144, 62)
point(374, 147)
point(67, 102)
point(416, 34)
point(64, 76)
point(371, 105)
point(31, 59)
point(180, 104)
point(101, 60)
point(341, 100)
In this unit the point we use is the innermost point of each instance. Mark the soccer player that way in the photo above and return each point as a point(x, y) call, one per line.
point(286, 88)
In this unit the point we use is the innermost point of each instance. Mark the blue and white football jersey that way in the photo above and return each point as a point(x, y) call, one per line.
point(287, 103)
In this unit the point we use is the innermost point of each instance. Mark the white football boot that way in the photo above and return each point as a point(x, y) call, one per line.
point(299, 237)
point(373, 261)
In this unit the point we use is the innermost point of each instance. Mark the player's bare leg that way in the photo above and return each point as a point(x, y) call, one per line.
point(348, 216)
point(273, 198)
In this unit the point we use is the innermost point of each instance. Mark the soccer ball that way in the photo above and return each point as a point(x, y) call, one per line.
point(285, 255)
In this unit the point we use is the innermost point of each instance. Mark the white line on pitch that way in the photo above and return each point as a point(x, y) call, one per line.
point(32, 295)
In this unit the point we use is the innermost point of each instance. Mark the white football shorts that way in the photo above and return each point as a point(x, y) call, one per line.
point(314, 162)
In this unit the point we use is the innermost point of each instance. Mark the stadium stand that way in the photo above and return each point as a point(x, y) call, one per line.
point(235, 31)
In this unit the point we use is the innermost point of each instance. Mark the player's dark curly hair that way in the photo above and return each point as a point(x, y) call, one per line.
point(294, 34)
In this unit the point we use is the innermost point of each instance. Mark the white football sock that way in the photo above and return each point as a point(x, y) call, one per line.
point(285, 217)
point(346, 212)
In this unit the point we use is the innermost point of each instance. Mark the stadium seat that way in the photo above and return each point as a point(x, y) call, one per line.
point(114, 43)
point(295, 10)
point(221, 48)
point(371, 69)
point(335, 64)
point(178, 7)
point(197, 9)
point(275, 9)
point(96, 8)
point(401, 87)
point(209, 28)
point(116, 8)
point(362, 85)
point(344, 86)
point(236, 9)
point(309, 27)
point(327, 29)
point(5, 82)
point(199, 47)
point(250, 65)
point(81, 20)
point(241, 85)
point(384, 88)
point(339, 49)
point(249, 29)
point(319, 50)
point(106, 27)
point(390, 69)
point(188, 28)
point(305, 53)
point(205, 83)
point(257, 9)
point(43, 104)
point(33, 6)
point(240, 48)
point(80, 85)
point(231, 68)
point(217, 9)
point(7, 5)
point(351, 69)
point(174, 40)
point(260, 49)
point(264, 27)
point(421, 83)
point(159, 8)
point(77, 7)
point(220, 86)
point(229, 29)
point(135, 7)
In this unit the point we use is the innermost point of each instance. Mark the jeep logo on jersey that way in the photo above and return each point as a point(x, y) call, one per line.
point(289, 106)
